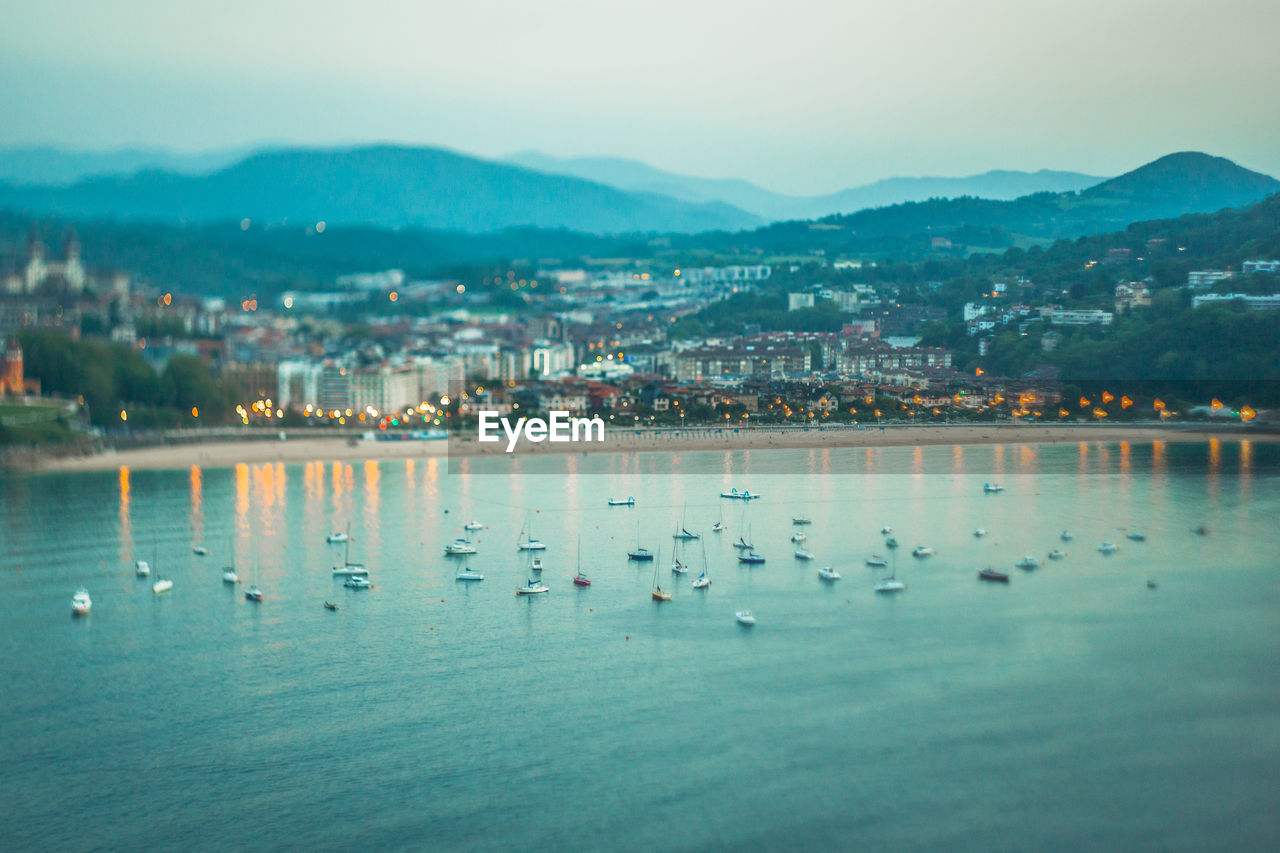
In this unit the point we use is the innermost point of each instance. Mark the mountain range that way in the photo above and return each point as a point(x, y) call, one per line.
point(397, 187)
point(770, 206)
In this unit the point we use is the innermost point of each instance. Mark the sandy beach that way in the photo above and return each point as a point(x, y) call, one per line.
point(214, 454)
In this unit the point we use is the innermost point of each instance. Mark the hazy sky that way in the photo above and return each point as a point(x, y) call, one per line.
point(800, 96)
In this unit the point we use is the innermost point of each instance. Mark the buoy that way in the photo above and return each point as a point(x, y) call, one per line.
point(628, 636)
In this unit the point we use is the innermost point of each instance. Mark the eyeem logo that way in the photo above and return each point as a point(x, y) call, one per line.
point(559, 428)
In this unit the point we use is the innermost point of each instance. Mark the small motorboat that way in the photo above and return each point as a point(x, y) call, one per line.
point(745, 617)
point(718, 527)
point(886, 530)
point(827, 573)
point(875, 561)
point(467, 574)
point(979, 532)
point(678, 568)
point(701, 581)
point(801, 519)
point(1136, 537)
point(888, 586)
point(992, 575)
point(1066, 536)
point(338, 538)
point(891, 543)
point(459, 546)
point(533, 587)
point(802, 554)
point(253, 594)
point(922, 551)
point(1108, 548)
point(1028, 562)
point(535, 565)
point(81, 602)
point(751, 558)
point(473, 525)
point(685, 535)
point(162, 585)
point(640, 555)
point(1057, 554)
point(799, 537)
point(532, 545)
point(200, 551)
point(1200, 530)
point(329, 605)
point(992, 488)
point(1151, 584)
point(142, 568)
point(357, 582)
point(229, 575)
point(622, 501)
point(581, 580)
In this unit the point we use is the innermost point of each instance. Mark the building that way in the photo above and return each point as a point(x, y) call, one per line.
point(1253, 303)
point(384, 388)
point(749, 360)
point(1252, 267)
point(40, 273)
point(796, 301)
point(1084, 317)
point(1132, 294)
point(1050, 341)
point(12, 380)
point(1206, 279)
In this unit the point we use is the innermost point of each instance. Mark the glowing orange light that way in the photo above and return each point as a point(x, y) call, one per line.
point(1084, 401)
point(1107, 396)
point(1247, 413)
point(1062, 413)
point(1216, 404)
point(1125, 402)
point(1099, 413)
point(978, 371)
point(1159, 404)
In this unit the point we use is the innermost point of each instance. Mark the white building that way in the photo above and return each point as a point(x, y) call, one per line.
point(1090, 317)
point(1253, 303)
point(1251, 267)
point(796, 301)
point(1205, 279)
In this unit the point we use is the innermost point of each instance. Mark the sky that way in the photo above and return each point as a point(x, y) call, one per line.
point(803, 96)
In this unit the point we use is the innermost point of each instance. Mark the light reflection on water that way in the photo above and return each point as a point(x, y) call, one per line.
point(421, 694)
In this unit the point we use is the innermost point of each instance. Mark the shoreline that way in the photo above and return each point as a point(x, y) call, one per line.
point(225, 454)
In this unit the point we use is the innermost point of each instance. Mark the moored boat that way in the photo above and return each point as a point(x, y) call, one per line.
point(890, 585)
point(81, 603)
point(745, 617)
point(827, 573)
point(992, 575)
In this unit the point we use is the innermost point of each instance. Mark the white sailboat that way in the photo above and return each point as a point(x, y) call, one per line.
point(162, 584)
point(802, 554)
point(229, 572)
point(348, 568)
point(528, 543)
point(745, 617)
point(533, 587)
point(702, 581)
point(889, 586)
point(828, 573)
point(459, 546)
point(337, 538)
point(466, 573)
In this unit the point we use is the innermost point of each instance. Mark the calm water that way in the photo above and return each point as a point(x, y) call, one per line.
point(1073, 708)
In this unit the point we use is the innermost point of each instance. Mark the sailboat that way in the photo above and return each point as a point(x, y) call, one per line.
point(459, 546)
point(348, 568)
point(229, 572)
point(580, 579)
point(466, 573)
point(338, 538)
point(719, 527)
point(683, 533)
point(828, 573)
point(890, 585)
point(528, 543)
point(253, 593)
point(640, 555)
point(533, 587)
point(745, 617)
point(658, 593)
point(702, 581)
point(751, 558)
point(744, 543)
point(678, 567)
point(162, 585)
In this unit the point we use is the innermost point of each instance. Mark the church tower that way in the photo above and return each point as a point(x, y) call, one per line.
point(73, 269)
point(36, 270)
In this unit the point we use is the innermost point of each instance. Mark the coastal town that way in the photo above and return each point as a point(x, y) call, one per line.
point(382, 351)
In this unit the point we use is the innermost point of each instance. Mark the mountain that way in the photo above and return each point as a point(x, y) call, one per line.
point(49, 165)
point(1186, 182)
point(640, 177)
point(384, 186)
point(1173, 185)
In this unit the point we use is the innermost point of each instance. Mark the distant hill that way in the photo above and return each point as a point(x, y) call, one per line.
point(1171, 186)
point(636, 176)
point(385, 186)
point(49, 165)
